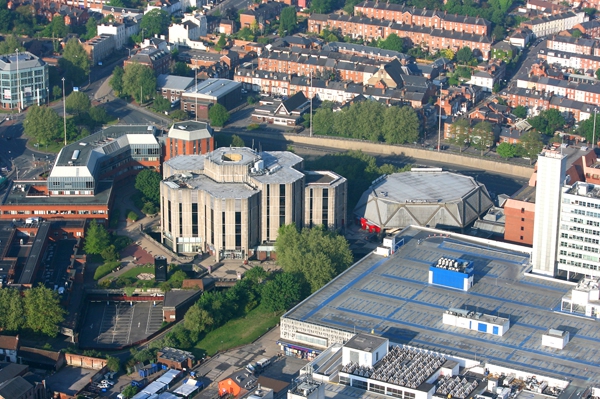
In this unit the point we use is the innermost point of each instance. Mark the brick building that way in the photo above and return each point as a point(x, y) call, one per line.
point(189, 138)
point(175, 358)
point(172, 86)
point(156, 59)
point(261, 14)
point(211, 91)
point(418, 35)
point(421, 17)
point(99, 48)
point(590, 28)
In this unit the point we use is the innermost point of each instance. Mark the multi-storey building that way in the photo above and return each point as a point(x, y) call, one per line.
point(578, 249)
point(590, 28)
point(191, 28)
point(570, 44)
point(24, 80)
point(422, 17)
point(189, 138)
point(233, 200)
point(154, 58)
point(552, 24)
point(420, 35)
point(100, 47)
point(80, 185)
point(584, 92)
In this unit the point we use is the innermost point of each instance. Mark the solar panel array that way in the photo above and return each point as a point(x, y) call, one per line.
point(456, 387)
point(402, 366)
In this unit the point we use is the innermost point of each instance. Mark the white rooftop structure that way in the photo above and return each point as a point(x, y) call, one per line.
point(423, 198)
point(212, 89)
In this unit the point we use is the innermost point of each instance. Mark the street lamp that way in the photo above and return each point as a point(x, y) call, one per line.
point(64, 111)
point(18, 84)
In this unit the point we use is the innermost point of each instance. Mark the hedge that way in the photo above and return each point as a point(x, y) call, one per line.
point(105, 269)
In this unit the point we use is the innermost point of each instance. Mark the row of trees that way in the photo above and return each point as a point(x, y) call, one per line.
point(548, 122)
point(369, 120)
point(481, 136)
point(38, 310)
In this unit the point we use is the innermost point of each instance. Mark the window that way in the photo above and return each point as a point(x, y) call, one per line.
point(522, 228)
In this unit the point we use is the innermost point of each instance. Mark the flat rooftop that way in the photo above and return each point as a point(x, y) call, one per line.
point(392, 297)
point(18, 197)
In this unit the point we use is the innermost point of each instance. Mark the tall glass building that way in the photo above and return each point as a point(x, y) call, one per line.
point(24, 79)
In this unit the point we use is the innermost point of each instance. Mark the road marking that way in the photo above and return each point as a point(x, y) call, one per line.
point(148, 321)
point(130, 323)
point(101, 323)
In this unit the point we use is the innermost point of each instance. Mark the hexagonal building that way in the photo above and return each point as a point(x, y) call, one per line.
point(422, 198)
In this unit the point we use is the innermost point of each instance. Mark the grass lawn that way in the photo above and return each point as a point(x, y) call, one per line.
point(137, 270)
point(237, 332)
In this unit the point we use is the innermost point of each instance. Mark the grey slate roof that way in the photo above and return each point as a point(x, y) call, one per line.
point(15, 387)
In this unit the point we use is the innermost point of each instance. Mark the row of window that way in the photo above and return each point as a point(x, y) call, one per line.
point(580, 229)
point(381, 389)
point(41, 212)
point(578, 264)
point(579, 238)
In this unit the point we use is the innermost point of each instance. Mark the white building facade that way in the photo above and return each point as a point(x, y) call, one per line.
point(579, 242)
point(24, 80)
point(550, 177)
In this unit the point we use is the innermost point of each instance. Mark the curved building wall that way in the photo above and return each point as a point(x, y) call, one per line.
point(195, 220)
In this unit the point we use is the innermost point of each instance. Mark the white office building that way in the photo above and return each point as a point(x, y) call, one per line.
point(550, 179)
point(578, 249)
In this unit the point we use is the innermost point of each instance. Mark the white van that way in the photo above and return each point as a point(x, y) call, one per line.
point(264, 362)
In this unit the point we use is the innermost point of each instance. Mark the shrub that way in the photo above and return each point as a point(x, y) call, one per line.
point(105, 269)
point(253, 126)
point(132, 216)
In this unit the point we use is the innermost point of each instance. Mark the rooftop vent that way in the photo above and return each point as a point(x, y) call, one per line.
point(182, 127)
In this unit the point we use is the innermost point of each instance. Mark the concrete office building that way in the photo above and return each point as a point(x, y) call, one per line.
point(230, 201)
point(30, 88)
point(550, 178)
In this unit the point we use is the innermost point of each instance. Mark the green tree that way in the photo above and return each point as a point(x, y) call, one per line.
point(323, 121)
point(96, 238)
point(287, 21)
point(11, 310)
point(506, 150)
point(161, 104)
point(129, 391)
point(282, 292)
point(139, 82)
point(482, 136)
point(77, 103)
point(393, 42)
point(10, 44)
point(43, 311)
point(548, 122)
point(116, 80)
point(179, 115)
point(316, 254)
point(56, 92)
point(197, 319)
point(520, 112)
point(576, 33)
point(57, 27)
point(148, 182)
point(498, 33)
point(464, 55)
point(43, 124)
point(401, 125)
point(75, 62)
point(236, 141)
point(586, 129)
point(98, 115)
point(218, 115)
point(221, 43)
point(109, 254)
point(155, 22)
point(460, 133)
point(91, 29)
point(182, 69)
point(598, 74)
point(113, 363)
point(531, 144)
